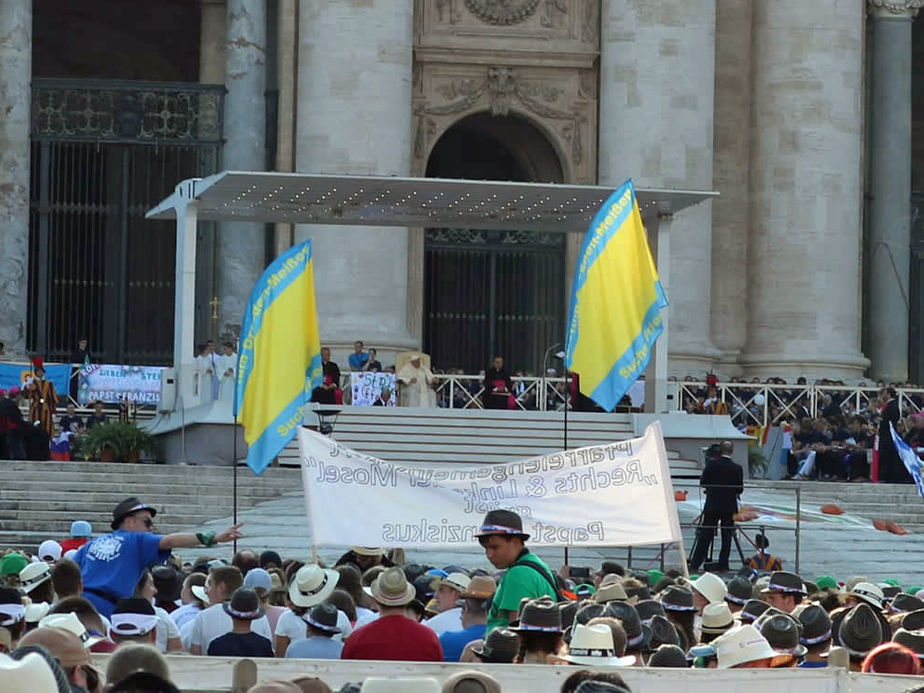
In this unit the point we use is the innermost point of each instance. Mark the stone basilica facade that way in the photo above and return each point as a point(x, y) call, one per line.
point(806, 116)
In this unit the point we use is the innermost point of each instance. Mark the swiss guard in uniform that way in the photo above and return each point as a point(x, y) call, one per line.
point(43, 399)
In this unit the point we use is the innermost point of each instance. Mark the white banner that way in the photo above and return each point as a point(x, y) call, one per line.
point(607, 495)
point(113, 383)
point(367, 387)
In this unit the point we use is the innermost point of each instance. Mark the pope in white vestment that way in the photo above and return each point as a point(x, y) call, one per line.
point(416, 385)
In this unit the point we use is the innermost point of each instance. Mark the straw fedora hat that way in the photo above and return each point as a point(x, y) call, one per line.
point(740, 646)
point(31, 673)
point(612, 592)
point(539, 616)
point(312, 585)
point(480, 587)
point(593, 646)
point(717, 618)
point(72, 623)
point(391, 588)
point(869, 593)
point(711, 587)
point(34, 575)
point(500, 646)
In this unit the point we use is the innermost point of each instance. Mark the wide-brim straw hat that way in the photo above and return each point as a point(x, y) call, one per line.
point(31, 673)
point(782, 632)
point(391, 588)
point(741, 645)
point(711, 587)
point(717, 618)
point(539, 616)
point(593, 646)
point(312, 585)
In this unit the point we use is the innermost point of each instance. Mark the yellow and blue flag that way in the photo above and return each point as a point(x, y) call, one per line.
point(616, 300)
point(279, 359)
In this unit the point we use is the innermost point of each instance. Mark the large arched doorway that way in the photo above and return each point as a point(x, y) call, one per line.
point(493, 292)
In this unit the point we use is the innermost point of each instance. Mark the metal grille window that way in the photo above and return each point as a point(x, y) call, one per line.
point(102, 154)
point(492, 292)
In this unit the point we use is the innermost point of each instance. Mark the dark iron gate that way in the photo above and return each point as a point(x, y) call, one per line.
point(103, 153)
point(492, 292)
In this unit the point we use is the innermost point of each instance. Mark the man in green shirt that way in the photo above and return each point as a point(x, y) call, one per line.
point(504, 542)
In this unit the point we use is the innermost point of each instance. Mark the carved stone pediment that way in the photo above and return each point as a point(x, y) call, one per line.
point(544, 30)
point(560, 101)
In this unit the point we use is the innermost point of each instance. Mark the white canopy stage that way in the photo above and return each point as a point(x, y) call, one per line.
point(403, 202)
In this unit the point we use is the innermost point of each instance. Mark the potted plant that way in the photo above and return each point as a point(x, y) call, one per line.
point(116, 440)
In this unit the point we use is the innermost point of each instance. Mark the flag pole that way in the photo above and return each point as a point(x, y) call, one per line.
point(565, 431)
point(234, 487)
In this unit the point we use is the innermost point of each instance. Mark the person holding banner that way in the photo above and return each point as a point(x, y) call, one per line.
point(504, 542)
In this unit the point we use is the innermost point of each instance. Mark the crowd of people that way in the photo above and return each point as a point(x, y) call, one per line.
point(125, 593)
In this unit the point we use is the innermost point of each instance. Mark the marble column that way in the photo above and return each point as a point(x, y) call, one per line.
point(805, 191)
point(731, 162)
point(890, 186)
point(354, 116)
point(15, 100)
point(242, 246)
point(286, 50)
point(656, 126)
point(213, 34)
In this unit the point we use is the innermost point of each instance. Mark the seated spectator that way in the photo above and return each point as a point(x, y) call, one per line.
point(12, 618)
point(168, 635)
point(373, 365)
point(470, 682)
point(214, 621)
point(71, 653)
point(322, 626)
point(49, 551)
point(261, 582)
point(327, 392)
point(134, 621)
point(192, 603)
point(91, 620)
point(81, 531)
point(540, 633)
point(70, 422)
point(474, 617)
point(447, 596)
point(241, 641)
point(130, 659)
point(97, 417)
point(393, 636)
point(65, 579)
point(311, 585)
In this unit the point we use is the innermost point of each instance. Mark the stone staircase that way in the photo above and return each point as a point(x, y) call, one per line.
point(39, 500)
point(898, 502)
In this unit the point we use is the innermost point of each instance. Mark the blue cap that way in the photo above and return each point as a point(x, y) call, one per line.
point(257, 577)
point(80, 528)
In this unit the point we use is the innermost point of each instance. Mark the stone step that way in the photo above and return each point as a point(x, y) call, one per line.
point(87, 492)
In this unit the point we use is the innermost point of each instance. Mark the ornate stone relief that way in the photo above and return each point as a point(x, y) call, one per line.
point(502, 12)
point(502, 90)
point(895, 9)
point(564, 103)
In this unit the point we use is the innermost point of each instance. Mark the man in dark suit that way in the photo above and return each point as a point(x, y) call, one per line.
point(723, 480)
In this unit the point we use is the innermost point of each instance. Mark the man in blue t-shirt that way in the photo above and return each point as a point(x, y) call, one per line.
point(476, 602)
point(358, 358)
point(111, 565)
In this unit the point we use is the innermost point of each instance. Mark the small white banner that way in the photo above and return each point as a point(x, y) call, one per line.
point(369, 387)
point(607, 495)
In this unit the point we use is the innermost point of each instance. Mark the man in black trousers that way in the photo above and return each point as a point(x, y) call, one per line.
point(723, 480)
